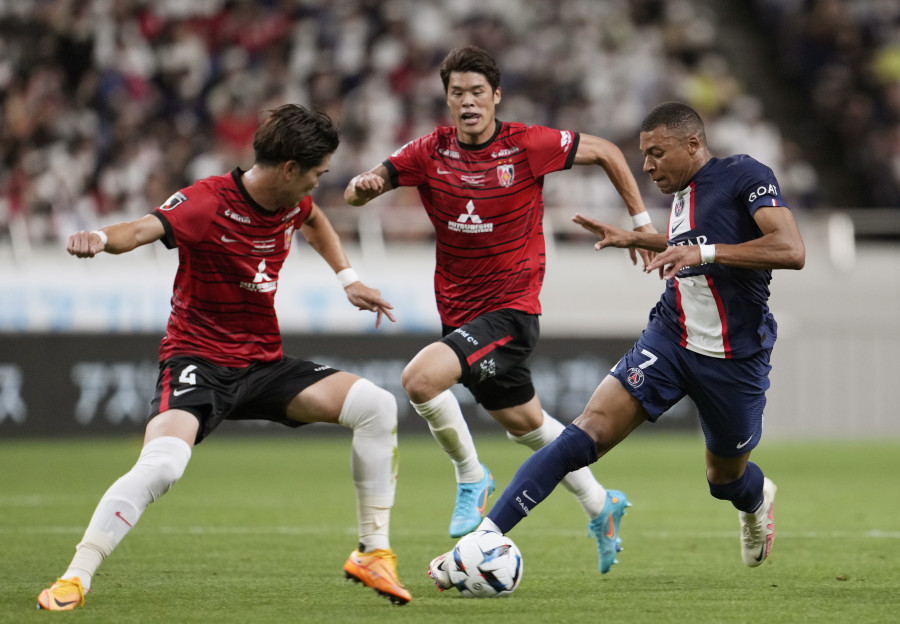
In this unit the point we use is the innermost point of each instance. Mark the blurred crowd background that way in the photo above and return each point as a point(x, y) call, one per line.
point(109, 106)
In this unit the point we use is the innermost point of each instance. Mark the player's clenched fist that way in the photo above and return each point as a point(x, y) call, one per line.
point(85, 244)
point(364, 187)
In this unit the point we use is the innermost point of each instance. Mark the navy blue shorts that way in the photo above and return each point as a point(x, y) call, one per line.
point(215, 393)
point(730, 394)
point(492, 349)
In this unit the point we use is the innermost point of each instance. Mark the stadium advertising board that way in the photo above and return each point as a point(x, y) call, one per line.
point(100, 384)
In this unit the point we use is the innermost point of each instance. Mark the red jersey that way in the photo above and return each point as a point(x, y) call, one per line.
point(487, 207)
point(230, 251)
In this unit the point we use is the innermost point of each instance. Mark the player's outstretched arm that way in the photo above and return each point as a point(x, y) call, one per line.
point(321, 236)
point(594, 150)
point(116, 239)
point(612, 236)
point(780, 247)
point(367, 186)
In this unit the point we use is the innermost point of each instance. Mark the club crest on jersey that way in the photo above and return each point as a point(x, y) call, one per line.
point(635, 376)
point(506, 173)
point(678, 206)
point(470, 222)
point(261, 282)
point(173, 201)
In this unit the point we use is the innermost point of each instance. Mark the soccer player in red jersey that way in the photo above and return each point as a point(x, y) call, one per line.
point(481, 182)
point(221, 358)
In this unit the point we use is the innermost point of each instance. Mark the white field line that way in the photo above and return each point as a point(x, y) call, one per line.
point(350, 529)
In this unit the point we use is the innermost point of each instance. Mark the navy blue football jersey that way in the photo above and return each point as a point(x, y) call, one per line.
point(714, 309)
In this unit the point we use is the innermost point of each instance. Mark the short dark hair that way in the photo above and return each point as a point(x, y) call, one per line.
point(470, 59)
point(293, 132)
point(675, 116)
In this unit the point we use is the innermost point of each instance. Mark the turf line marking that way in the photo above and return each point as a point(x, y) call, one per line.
point(350, 529)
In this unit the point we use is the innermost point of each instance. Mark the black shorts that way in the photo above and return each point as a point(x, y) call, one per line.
point(492, 349)
point(215, 393)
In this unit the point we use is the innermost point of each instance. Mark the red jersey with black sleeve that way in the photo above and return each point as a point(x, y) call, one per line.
point(230, 251)
point(486, 205)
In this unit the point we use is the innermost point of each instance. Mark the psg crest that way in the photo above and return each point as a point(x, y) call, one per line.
point(635, 376)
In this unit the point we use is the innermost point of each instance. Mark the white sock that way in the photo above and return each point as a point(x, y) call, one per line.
point(449, 428)
point(488, 525)
point(581, 482)
point(371, 412)
point(160, 465)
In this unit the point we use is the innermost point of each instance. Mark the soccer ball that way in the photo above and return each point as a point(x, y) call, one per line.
point(484, 564)
point(439, 570)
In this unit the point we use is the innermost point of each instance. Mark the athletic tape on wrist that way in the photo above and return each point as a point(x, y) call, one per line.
point(707, 254)
point(347, 277)
point(639, 219)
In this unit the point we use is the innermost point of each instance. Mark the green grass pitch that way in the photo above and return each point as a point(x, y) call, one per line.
point(259, 527)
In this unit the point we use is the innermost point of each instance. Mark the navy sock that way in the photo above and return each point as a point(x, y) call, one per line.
point(746, 493)
point(540, 473)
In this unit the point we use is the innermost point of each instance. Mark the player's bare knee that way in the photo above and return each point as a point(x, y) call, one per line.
point(417, 384)
point(516, 431)
point(544, 433)
point(721, 475)
point(369, 407)
point(601, 428)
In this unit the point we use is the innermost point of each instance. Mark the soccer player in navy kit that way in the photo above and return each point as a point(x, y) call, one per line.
point(480, 182)
point(709, 337)
point(221, 358)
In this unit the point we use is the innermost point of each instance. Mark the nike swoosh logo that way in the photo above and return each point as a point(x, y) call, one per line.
point(442, 172)
point(186, 390)
point(743, 444)
point(483, 506)
point(611, 532)
point(762, 552)
point(122, 518)
point(63, 604)
point(225, 239)
point(525, 494)
point(675, 226)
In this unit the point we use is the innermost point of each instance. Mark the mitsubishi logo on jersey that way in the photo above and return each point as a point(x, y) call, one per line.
point(261, 274)
point(470, 215)
point(261, 282)
point(470, 222)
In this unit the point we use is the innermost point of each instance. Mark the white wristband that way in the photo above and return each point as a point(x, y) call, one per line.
point(103, 237)
point(639, 219)
point(707, 254)
point(347, 277)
